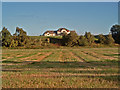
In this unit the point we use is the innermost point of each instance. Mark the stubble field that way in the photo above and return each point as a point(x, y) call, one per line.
point(60, 68)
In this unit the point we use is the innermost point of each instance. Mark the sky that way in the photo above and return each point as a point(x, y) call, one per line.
point(37, 17)
point(119, 12)
point(0, 15)
point(60, 0)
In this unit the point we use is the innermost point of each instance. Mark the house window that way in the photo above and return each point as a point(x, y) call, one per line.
point(48, 34)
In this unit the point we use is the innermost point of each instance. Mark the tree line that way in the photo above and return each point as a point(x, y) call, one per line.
point(21, 39)
point(86, 40)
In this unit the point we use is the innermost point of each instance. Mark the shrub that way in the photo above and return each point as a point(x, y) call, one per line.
point(101, 39)
point(89, 37)
point(70, 39)
point(110, 40)
point(82, 41)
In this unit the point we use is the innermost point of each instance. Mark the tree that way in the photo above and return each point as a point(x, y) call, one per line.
point(70, 39)
point(21, 36)
point(101, 39)
point(109, 40)
point(64, 39)
point(6, 37)
point(82, 41)
point(89, 37)
point(115, 30)
point(14, 43)
point(20, 32)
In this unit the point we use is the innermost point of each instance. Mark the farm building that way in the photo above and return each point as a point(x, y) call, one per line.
point(58, 32)
point(50, 33)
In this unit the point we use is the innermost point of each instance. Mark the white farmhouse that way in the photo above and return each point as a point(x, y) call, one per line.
point(58, 32)
point(49, 33)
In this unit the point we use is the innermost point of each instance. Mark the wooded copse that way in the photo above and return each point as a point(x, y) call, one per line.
point(21, 39)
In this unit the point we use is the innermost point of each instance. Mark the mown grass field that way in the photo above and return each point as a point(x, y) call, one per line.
point(60, 68)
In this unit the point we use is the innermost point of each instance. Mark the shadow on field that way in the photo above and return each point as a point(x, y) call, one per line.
point(50, 64)
point(69, 69)
point(12, 70)
point(60, 64)
point(10, 62)
point(111, 54)
point(47, 64)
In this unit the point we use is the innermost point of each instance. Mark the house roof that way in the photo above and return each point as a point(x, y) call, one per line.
point(55, 32)
point(60, 29)
point(50, 32)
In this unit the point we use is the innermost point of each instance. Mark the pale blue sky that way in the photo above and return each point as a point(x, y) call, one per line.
point(0, 15)
point(60, 0)
point(36, 18)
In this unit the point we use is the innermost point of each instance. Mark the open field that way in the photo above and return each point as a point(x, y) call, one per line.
point(60, 68)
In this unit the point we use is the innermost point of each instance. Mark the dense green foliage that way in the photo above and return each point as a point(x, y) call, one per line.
point(6, 37)
point(115, 30)
point(70, 39)
point(89, 37)
point(109, 40)
point(101, 39)
point(82, 41)
point(20, 39)
point(106, 39)
point(73, 39)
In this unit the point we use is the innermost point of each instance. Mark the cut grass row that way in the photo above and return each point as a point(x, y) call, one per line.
point(60, 82)
point(61, 69)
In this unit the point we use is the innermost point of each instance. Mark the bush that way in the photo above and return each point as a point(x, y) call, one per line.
point(89, 37)
point(110, 40)
point(82, 41)
point(70, 39)
point(101, 39)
